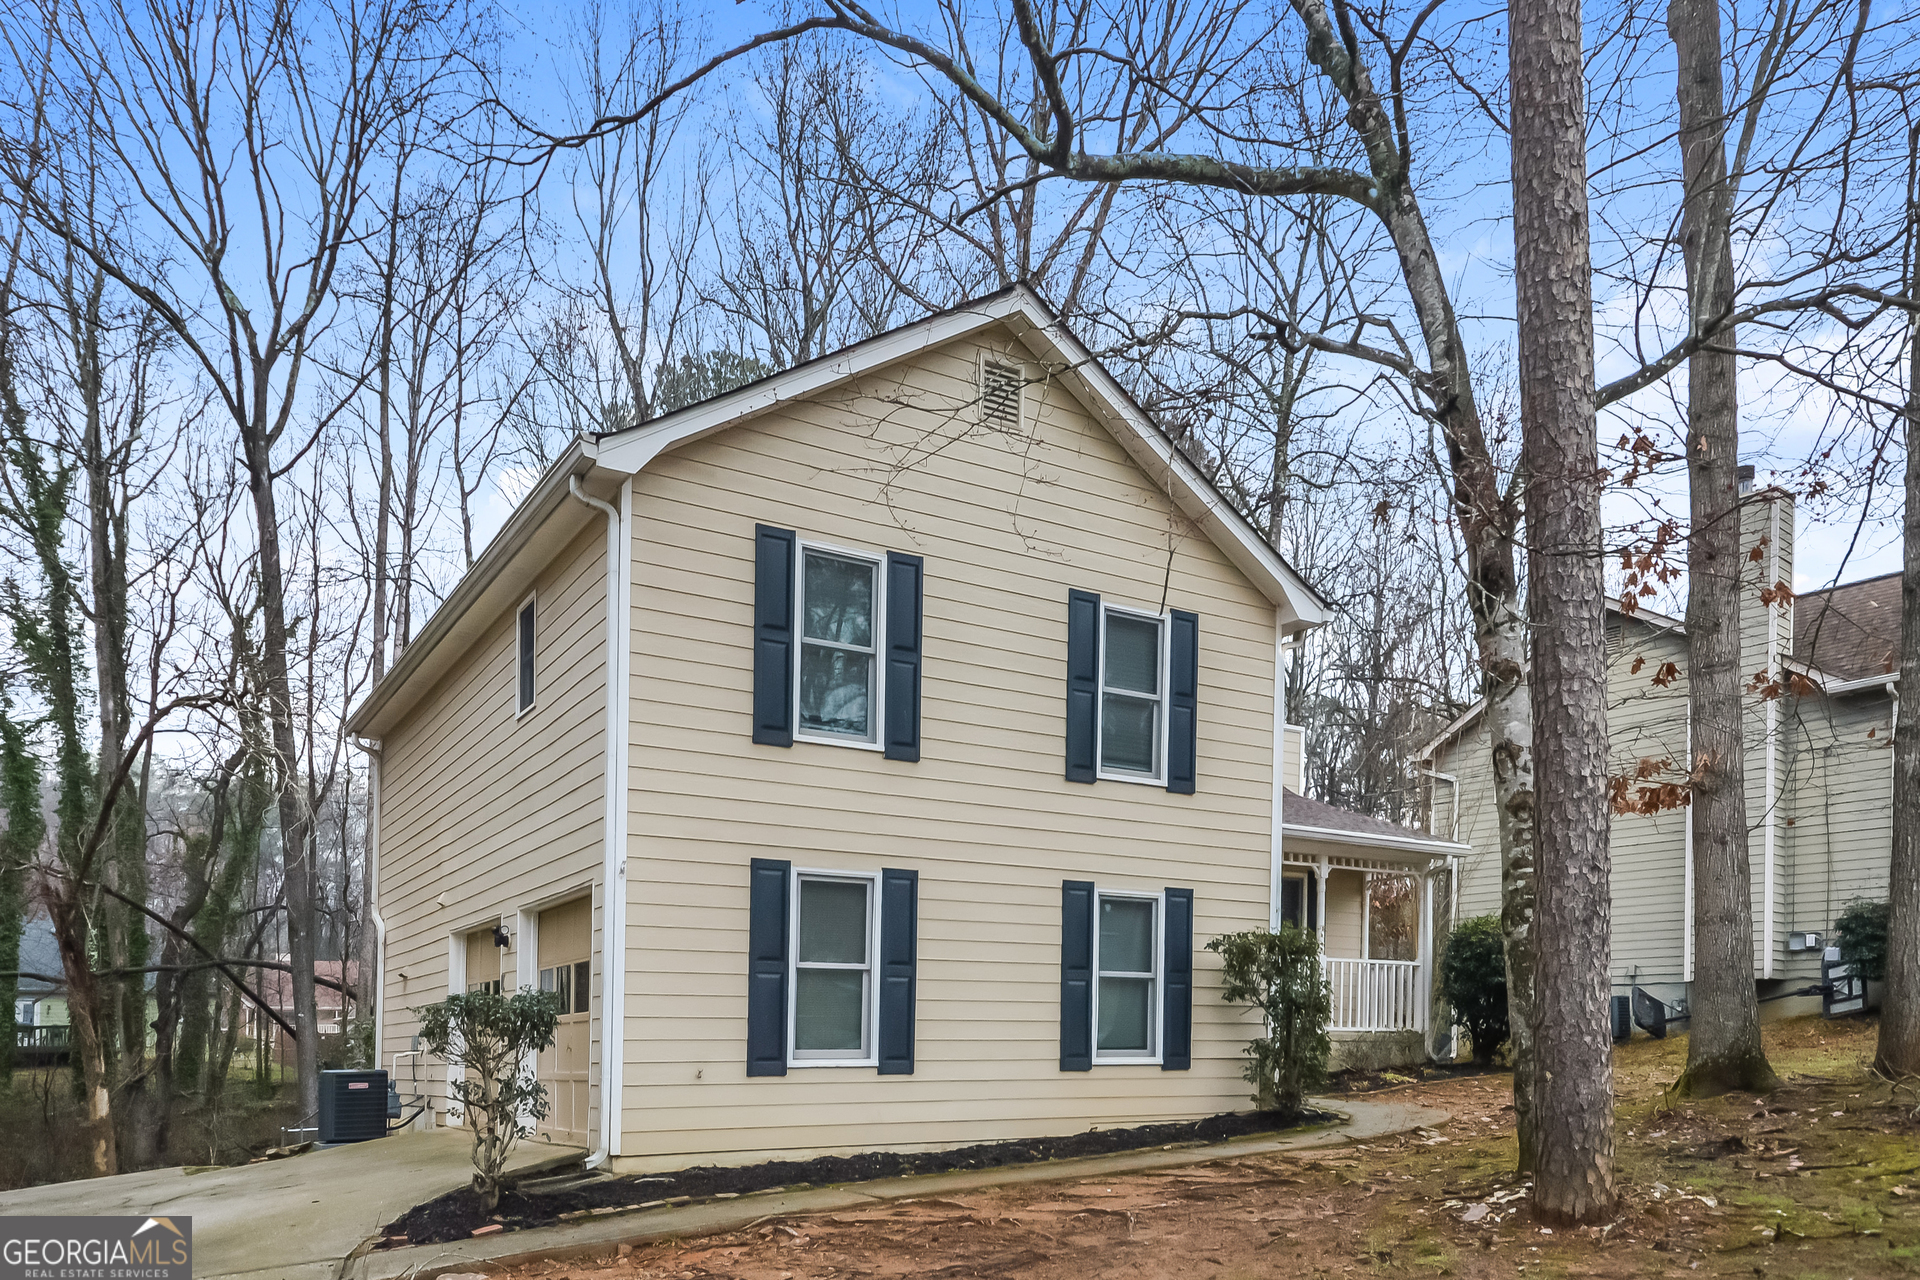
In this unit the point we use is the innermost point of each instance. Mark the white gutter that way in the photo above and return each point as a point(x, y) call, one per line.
point(613, 927)
point(1431, 848)
point(372, 750)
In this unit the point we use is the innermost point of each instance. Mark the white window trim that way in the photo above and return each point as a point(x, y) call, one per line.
point(531, 602)
point(1155, 1001)
point(1159, 777)
point(871, 1013)
point(876, 708)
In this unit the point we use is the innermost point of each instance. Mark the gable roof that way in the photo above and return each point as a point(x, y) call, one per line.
point(1066, 360)
point(1851, 631)
point(1640, 613)
point(546, 519)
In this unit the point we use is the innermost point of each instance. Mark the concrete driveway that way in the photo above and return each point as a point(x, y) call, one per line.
point(292, 1219)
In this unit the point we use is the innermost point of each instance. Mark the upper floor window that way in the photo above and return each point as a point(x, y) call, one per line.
point(524, 631)
point(839, 672)
point(1132, 694)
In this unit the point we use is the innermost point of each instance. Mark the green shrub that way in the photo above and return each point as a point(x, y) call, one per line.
point(1279, 974)
point(492, 1037)
point(1861, 932)
point(1473, 978)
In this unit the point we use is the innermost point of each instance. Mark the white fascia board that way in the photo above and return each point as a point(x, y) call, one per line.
point(1888, 680)
point(1041, 332)
point(1409, 844)
point(543, 522)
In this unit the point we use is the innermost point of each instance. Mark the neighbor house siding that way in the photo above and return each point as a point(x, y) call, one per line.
point(482, 812)
point(1645, 721)
point(1840, 802)
point(1008, 523)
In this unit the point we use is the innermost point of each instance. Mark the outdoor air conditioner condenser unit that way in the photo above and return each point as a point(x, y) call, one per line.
point(353, 1105)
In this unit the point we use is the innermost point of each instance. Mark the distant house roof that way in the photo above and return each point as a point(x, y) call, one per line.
point(1305, 816)
point(276, 985)
point(39, 953)
point(1851, 631)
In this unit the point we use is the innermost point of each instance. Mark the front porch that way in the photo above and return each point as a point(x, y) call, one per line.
point(1369, 889)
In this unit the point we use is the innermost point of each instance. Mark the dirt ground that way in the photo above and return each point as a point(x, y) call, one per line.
point(1820, 1180)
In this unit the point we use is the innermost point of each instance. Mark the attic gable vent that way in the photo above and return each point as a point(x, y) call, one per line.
point(1000, 385)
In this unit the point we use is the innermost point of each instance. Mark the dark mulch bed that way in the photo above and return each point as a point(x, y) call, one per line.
point(455, 1215)
point(1346, 1082)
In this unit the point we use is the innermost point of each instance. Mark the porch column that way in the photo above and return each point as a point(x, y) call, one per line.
point(1321, 911)
point(1366, 915)
point(1424, 1004)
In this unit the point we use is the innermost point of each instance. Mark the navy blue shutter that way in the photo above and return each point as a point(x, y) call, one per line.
point(1083, 685)
point(905, 576)
point(767, 968)
point(526, 656)
point(773, 552)
point(1313, 900)
point(1176, 1034)
point(1076, 975)
point(1183, 696)
point(899, 940)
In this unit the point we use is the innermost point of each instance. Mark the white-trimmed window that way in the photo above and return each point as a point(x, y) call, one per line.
point(1127, 977)
point(523, 665)
point(837, 688)
point(1133, 695)
point(830, 1015)
point(571, 983)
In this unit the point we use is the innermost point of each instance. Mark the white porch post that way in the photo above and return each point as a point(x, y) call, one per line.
point(1366, 915)
point(1423, 1005)
point(1320, 892)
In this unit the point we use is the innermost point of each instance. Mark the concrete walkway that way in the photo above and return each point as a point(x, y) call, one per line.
point(292, 1219)
point(594, 1237)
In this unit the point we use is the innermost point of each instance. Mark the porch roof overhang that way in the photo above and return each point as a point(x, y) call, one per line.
point(1313, 833)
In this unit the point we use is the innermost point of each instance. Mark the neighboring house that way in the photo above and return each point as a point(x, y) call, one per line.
point(1819, 719)
point(276, 988)
point(40, 1017)
point(883, 786)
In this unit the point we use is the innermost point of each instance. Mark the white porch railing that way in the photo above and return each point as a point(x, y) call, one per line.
point(1376, 995)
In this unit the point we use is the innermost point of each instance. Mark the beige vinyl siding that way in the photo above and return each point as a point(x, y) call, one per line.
point(1841, 801)
point(483, 813)
point(1007, 525)
point(1346, 912)
point(1645, 721)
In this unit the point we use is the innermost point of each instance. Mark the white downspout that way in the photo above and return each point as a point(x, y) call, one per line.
point(1281, 644)
point(613, 960)
point(372, 750)
point(1775, 669)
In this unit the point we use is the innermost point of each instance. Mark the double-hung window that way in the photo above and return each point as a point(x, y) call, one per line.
point(840, 675)
point(832, 982)
point(1133, 683)
point(1126, 995)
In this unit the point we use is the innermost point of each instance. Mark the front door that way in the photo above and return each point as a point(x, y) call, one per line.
point(566, 970)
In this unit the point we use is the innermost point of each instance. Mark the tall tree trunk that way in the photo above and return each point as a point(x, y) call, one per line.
point(1723, 1045)
point(1566, 598)
point(83, 1014)
point(1899, 1049)
point(295, 848)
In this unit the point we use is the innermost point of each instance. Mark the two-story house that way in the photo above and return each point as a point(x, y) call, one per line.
point(865, 757)
point(1818, 717)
